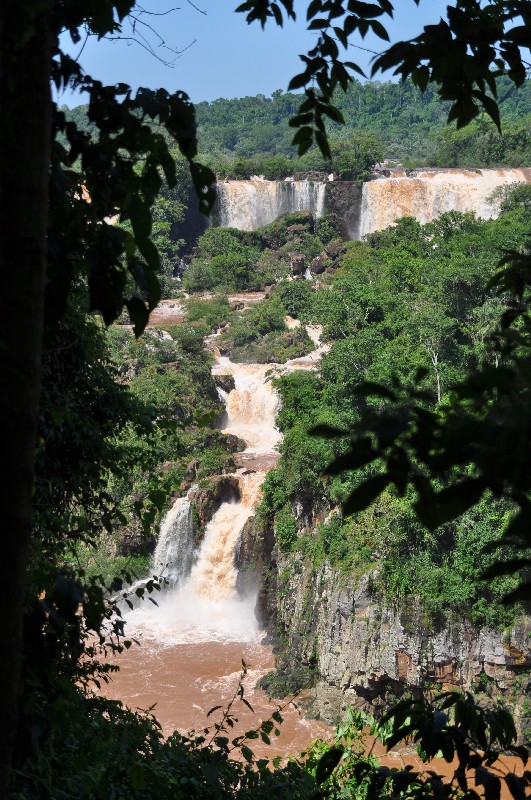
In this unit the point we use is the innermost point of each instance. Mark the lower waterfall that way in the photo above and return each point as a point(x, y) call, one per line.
point(204, 605)
point(174, 553)
point(193, 641)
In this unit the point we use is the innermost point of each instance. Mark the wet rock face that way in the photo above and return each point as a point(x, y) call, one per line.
point(319, 264)
point(236, 445)
point(206, 500)
point(365, 652)
point(252, 554)
point(225, 382)
point(297, 263)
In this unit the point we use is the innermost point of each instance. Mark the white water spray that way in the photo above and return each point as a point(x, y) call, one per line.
point(251, 204)
point(204, 605)
point(174, 553)
point(427, 194)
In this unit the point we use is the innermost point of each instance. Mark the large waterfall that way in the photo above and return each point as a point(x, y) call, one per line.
point(204, 604)
point(194, 639)
point(424, 194)
point(251, 204)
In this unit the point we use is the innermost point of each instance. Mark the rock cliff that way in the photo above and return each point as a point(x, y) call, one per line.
point(334, 633)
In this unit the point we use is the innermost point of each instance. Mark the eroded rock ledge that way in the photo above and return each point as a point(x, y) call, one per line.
point(334, 632)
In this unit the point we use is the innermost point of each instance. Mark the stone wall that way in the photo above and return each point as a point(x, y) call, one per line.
point(356, 650)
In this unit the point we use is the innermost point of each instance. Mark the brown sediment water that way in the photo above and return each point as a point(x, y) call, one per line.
point(183, 681)
point(193, 642)
point(428, 193)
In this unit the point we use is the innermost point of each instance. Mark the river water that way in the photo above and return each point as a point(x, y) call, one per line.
point(193, 642)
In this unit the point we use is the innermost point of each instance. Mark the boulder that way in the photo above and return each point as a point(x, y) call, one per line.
point(225, 382)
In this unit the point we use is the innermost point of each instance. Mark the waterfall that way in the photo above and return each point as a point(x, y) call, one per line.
point(251, 406)
point(204, 605)
point(247, 205)
point(214, 574)
point(426, 194)
point(174, 553)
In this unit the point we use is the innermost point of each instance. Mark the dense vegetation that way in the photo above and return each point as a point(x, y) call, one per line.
point(251, 135)
point(408, 304)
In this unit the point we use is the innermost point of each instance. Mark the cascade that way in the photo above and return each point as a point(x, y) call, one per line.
point(253, 203)
point(203, 604)
point(252, 405)
point(194, 638)
point(426, 194)
point(174, 553)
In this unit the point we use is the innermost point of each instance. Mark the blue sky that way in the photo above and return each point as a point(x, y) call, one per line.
point(221, 55)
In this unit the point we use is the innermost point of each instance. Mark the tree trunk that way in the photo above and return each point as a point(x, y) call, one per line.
point(25, 132)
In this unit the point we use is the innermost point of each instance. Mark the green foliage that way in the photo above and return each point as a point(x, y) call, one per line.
point(285, 528)
point(100, 442)
point(355, 156)
point(480, 144)
point(296, 297)
point(214, 312)
point(259, 335)
point(408, 304)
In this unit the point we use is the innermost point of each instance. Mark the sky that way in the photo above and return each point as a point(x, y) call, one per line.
point(220, 54)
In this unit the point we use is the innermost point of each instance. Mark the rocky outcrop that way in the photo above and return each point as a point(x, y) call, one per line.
point(255, 542)
point(335, 634)
point(343, 199)
point(297, 263)
point(207, 499)
point(225, 382)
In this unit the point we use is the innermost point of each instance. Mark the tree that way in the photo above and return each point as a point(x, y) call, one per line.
point(354, 158)
point(52, 237)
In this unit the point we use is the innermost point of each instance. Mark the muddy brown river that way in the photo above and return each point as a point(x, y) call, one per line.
point(184, 681)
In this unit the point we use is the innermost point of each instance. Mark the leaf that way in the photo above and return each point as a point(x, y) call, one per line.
point(247, 753)
point(516, 785)
point(313, 9)
point(520, 594)
point(215, 708)
point(364, 495)
point(222, 742)
point(205, 185)
point(379, 30)
point(435, 509)
point(327, 432)
point(298, 81)
point(366, 10)
point(360, 455)
point(327, 764)
point(505, 568)
point(303, 134)
point(139, 314)
point(370, 389)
